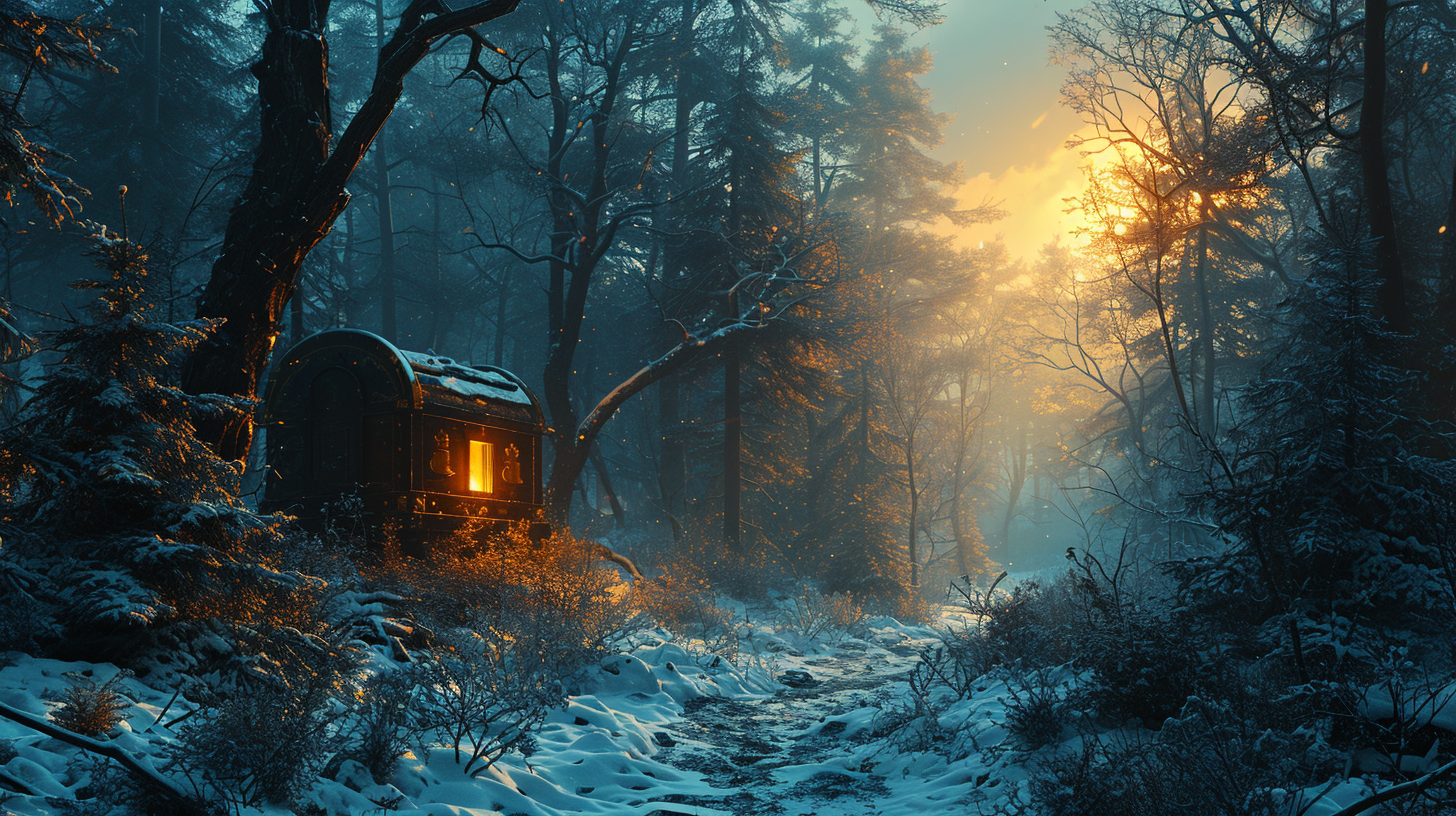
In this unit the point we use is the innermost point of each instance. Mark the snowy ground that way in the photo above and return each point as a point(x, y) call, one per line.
point(790, 727)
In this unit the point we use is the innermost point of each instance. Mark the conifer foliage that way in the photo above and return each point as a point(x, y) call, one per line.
point(107, 491)
point(1339, 491)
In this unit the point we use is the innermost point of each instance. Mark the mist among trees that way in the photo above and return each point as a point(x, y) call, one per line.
point(1177, 492)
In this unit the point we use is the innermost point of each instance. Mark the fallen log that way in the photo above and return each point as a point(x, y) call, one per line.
point(139, 767)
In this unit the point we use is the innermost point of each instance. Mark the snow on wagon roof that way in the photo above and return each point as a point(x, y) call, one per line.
point(465, 381)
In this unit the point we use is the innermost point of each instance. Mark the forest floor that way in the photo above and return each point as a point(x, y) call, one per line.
point(788, 754)
point(781, 725)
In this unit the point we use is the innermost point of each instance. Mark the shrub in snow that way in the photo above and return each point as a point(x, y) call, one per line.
point(108, 493)
point(683, 601)
point(1205, 762)
point(1036, 709)
point(275, 717)
point(263, 744)
point(388, 724)
point(483, 693)
point(91, 710)
point(507, 623)
point(813, 614)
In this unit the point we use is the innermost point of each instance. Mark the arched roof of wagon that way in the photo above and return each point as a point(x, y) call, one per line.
point(392, 378)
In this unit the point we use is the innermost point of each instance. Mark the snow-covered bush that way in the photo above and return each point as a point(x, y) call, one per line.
point(504, 624)
point(1031, 624)
point(1205, 762)
point(276, 715)
point(1037, 711)
point(484, 692)
point(388, 721)
point(260, 744)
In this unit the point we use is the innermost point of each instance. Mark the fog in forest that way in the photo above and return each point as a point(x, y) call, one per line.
point(1080, 371)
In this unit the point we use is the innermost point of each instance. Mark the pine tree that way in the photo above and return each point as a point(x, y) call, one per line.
point(819, 100)
point(108, 492)
point(1339, 497)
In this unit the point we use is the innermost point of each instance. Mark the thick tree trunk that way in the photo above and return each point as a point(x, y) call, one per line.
point(581, 236)
point(1374, 171)
point(672, 468)
point(296, 190)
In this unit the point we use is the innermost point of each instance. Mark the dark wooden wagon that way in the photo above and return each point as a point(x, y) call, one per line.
point(416, 437)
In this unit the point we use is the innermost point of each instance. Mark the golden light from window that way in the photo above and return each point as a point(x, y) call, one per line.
point(481, 469)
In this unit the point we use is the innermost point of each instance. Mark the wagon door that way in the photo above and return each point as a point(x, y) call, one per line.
point(337, 431)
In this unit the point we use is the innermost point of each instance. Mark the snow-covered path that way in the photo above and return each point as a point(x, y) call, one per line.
point(790, 730)
point(794, 752)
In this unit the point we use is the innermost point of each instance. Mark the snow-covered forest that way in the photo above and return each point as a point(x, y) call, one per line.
point(723, 474)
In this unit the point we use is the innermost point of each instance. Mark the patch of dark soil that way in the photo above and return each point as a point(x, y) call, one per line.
point(837, 784)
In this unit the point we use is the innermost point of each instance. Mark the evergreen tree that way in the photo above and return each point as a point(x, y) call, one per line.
point(1339, 495)
point(822, 86)
point(134, 522)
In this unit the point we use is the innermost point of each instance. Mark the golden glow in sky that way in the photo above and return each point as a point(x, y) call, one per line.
point(1010, 128)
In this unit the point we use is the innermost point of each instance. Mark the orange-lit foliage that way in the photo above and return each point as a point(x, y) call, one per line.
point(466, 578)
point(683, 601)
point(39, 43)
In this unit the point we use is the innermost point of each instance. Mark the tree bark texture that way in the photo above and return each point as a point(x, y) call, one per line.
point(296, 189)
point(1375, 174)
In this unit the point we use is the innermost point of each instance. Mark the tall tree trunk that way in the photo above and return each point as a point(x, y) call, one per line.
point(958, 477)
point(502, 299)
point(672, 469)
point(296, 189)
point(1443, 377)
point(1375, 174)
point(914, 505)
point(388, 303)
point(579, 238)
point(1207, 418)
point(152, 48)
point(1015, 483)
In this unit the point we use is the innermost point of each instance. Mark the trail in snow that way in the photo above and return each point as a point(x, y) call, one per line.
point(793, 753)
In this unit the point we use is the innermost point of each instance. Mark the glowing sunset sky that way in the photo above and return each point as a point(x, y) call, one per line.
point(992, 73)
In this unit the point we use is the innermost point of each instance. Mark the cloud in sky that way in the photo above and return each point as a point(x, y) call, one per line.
point(992, 72)
point(1034, 196)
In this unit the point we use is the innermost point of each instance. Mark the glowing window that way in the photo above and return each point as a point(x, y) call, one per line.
point(480, 467)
